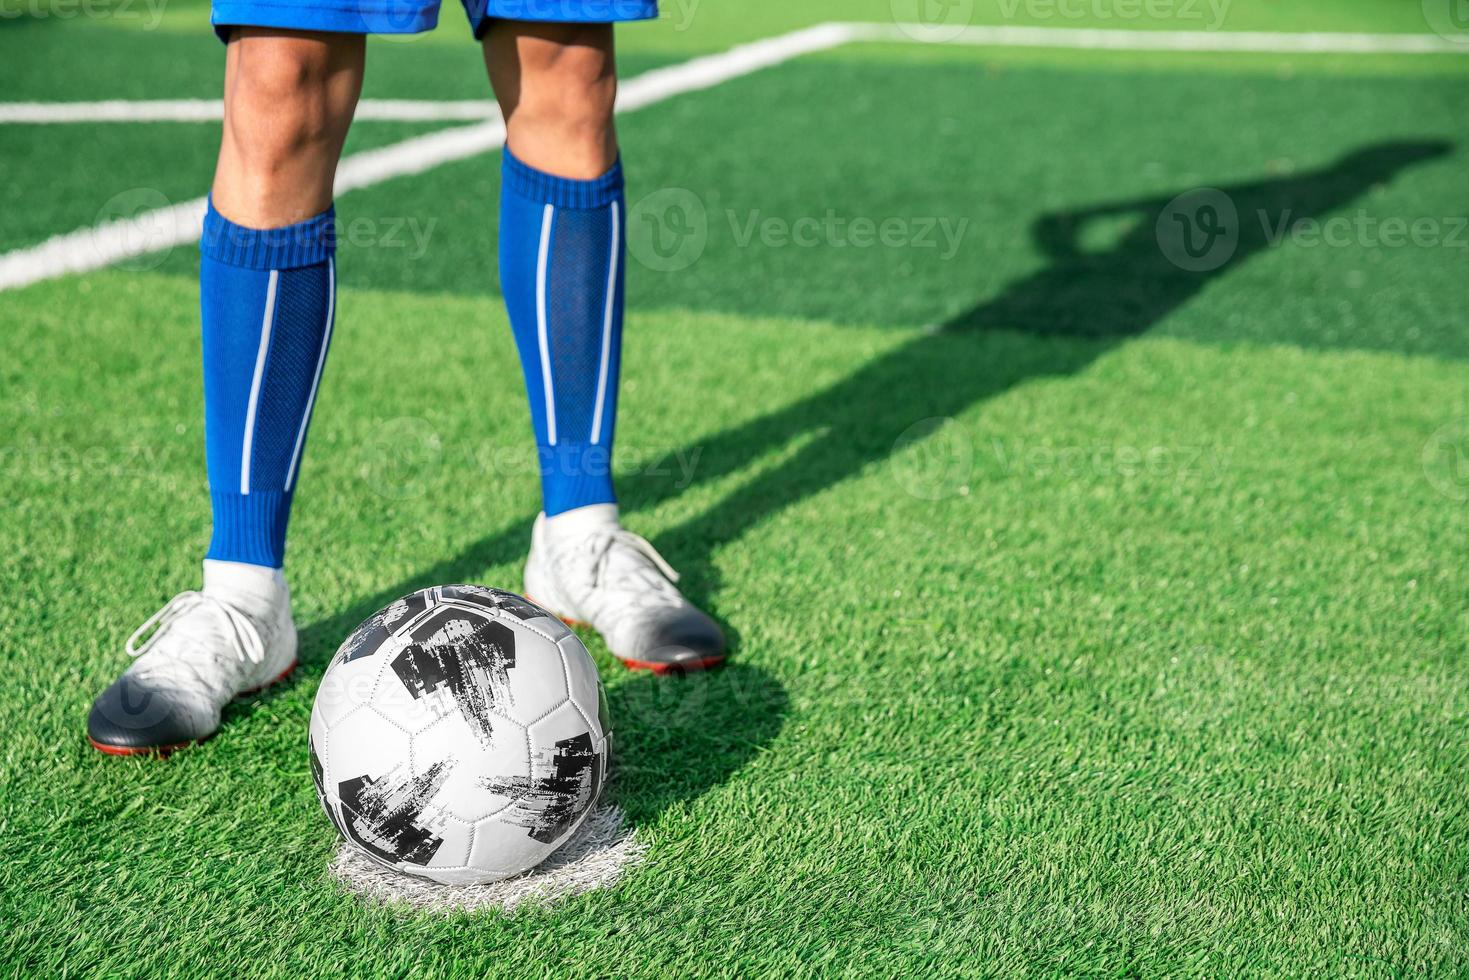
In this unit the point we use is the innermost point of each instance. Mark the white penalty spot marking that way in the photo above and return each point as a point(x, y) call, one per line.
point(596, 856)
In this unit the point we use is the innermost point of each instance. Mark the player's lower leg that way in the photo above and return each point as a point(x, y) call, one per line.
point(267, 290)
point(562, 242)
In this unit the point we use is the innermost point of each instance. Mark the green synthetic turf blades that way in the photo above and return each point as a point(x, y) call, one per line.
point(1093, 616)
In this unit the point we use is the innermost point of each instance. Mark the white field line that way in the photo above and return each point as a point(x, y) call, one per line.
point(212, 110)
point(95, 247)
point(1100, 39)
point(1106, 39)
point(152, 231)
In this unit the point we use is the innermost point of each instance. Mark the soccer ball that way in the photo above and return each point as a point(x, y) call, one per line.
point(460, 735)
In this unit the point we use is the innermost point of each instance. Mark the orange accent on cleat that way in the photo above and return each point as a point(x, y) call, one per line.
point(683, 665)
point(160, 751)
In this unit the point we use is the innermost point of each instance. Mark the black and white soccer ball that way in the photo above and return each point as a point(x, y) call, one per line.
point(460, 735)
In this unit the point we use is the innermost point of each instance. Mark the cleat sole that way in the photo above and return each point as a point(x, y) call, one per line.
point(158, 751)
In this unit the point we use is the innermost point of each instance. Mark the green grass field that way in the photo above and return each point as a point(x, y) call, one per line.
point(1094, 616)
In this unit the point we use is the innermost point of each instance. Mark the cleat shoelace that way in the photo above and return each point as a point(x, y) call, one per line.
point(602, 544)
point(244, 637)
point(629, 573)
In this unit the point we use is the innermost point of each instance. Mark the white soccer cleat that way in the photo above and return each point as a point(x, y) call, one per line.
point(588, 569)
point(195, 655)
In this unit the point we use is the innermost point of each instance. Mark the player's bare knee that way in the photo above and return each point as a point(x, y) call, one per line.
point(574, 125)
point(567, 80)
point(286, 98)
point(278, 106)
point(568, 104)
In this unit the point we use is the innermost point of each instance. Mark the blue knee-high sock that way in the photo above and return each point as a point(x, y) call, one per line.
point(267, 300)
point(561, 269)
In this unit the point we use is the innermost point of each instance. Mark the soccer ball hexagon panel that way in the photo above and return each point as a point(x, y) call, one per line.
point(456, 736)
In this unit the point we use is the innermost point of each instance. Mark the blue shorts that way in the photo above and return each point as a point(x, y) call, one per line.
point(414, 16)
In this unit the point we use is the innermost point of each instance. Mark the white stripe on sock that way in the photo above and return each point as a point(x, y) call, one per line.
point(550, 392)
point(606, 331)
point(326, 339)
point(255, 383)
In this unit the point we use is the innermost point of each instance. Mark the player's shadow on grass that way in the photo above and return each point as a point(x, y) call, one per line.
point(1054, 322)
point(679, 736)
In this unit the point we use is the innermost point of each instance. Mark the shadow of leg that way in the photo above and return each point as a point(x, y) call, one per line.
point(676, 737)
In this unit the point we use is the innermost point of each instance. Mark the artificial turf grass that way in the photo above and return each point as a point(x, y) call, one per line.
point(1176, 686)
point(1090, 712)
point(692, 27)
point(1000, 170)
point(61, 177)
point(999, 163)
point(52, 183)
